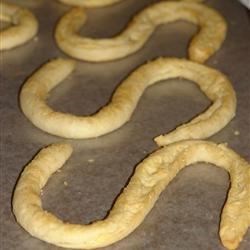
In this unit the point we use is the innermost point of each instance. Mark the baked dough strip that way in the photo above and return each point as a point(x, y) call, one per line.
point(204, 44)
point(90, 3)
point(25, 26)
point(150, 178)
point(101, 3)
point(125, 98)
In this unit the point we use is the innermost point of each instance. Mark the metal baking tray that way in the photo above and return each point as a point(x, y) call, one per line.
point(186, 216)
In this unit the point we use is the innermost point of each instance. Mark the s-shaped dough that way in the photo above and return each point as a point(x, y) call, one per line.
point(25, 26)
point(137, 199)
point(203, 45)
point(124, 100)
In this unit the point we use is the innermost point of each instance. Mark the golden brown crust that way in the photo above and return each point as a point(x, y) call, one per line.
point(119, 110)
point(100, 3)
point(204, 44)
point(137, 199)
point(90, 3)
point(25, 26)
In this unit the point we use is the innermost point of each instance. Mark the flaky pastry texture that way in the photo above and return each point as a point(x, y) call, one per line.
point(24, 26)
point(125, 98)
point(150, 178)
point(100, 3)
point(204, 44)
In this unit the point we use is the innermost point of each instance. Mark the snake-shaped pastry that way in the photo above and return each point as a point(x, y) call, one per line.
point(150, 178)
point(100, 3)
point(204, 44)
point(25, 26)
point(125, 98)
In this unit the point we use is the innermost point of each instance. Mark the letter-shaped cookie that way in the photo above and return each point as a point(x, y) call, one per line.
point(25, 26)
point(124, 100)
point(204, 44)
point(150, 178)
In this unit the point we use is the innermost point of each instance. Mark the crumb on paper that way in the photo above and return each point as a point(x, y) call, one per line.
point(91, 160)
point(224, 144)
point(58, 170)
point(41, 192)
point(236, 132)
point(65, 183)
point(36, 38)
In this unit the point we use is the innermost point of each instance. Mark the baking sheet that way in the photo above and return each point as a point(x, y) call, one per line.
point(186, 216)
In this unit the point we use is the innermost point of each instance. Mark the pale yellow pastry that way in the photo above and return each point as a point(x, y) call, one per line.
point(24, 26)
point(136, 200)
point(204, 44)
point(100, 3)
point(125, 98)
point(90, 3)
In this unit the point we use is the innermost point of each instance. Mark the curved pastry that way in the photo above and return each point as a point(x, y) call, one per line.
point(90, 3)
point(25, 26)
point(203, 45)
point(100, 3)
point(137, 199)
point(124, 100)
